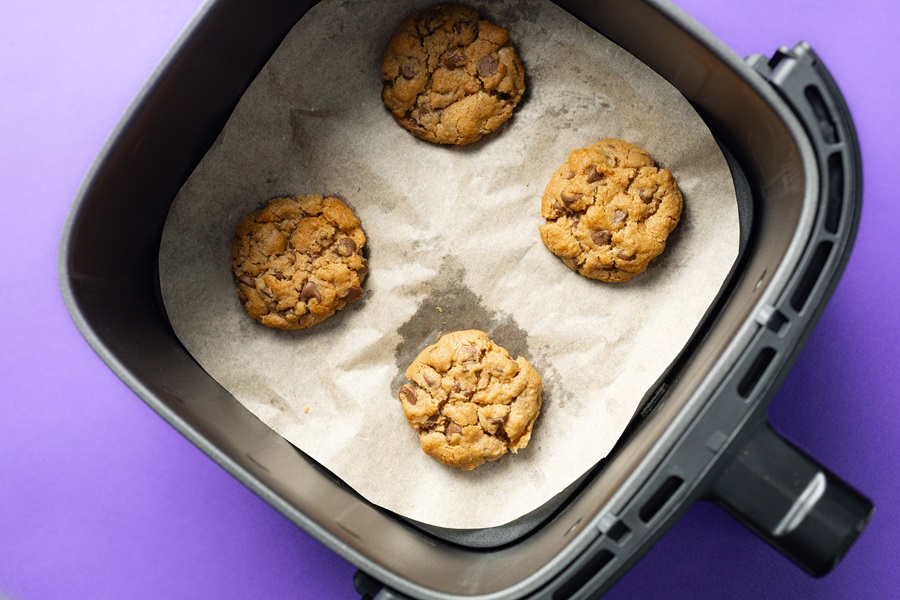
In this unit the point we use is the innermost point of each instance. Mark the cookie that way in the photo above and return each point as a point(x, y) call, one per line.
point(469, 401)
point(298, 261)
point(609, 211)
point(450, 77)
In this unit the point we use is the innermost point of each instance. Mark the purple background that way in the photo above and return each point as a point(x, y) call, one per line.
point(99, 498)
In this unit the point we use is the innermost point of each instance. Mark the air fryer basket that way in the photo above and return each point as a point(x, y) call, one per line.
point(700, 433)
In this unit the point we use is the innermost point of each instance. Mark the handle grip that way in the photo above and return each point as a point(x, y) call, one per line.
point(793, 503)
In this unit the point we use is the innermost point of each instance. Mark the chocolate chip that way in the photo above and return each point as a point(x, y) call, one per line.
point(411, 123)
point(453, 428)
point(363, 270)
point(570, 174)
point(570, 199)
point(625, 255)
point(346, 247)
point(354, 295)
point(646, 195)
point(619, 216)
point(278, 275)
point(247, 280)
point(455, 389)
point(557, 206)
point(310, 290)
point(430, 19)
point(496, 420)
point(425, 109)
point(242, 296)
point(602, 238)
point(431, 381)
point(593, 174)
point(409, 394)
point(407, 72)
point(454, 59)
point(488, 66)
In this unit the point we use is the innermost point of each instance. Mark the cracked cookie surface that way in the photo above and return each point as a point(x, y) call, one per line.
point(450, 77)
point(469, 401)
point(298, 261)
point(609, 210)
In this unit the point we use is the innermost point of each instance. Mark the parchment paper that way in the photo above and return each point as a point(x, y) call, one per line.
point(453, 244)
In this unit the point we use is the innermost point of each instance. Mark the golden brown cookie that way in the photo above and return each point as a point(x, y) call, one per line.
point(450, 77)
point(298, 260)
point(469, 401)
point(609, 210)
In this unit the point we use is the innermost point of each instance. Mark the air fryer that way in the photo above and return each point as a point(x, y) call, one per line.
point(700, 433)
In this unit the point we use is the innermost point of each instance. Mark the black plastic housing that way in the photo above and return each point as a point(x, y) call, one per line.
point(702, 432)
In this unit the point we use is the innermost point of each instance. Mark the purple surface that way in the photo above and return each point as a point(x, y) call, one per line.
point(99, 498)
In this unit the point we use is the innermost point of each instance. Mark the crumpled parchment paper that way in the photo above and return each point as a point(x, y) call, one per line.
point(453, 244)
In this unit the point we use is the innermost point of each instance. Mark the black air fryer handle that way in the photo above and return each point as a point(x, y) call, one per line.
point(792, 502)
point(770, 485)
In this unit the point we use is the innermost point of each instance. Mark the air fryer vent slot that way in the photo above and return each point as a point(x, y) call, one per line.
point(588, 571)
point(823, 115)
point(755, 372)
point(810, 276)
point(835, 192)
point(660, 497)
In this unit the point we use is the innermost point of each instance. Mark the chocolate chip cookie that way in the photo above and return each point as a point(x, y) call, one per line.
point(609, 210)
point(450, 77)
point(298, 261)
point(469, 401)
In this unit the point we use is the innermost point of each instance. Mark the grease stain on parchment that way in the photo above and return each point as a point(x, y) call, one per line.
point(450, 305)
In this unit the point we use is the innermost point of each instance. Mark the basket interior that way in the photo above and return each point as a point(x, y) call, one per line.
point(109, 275)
